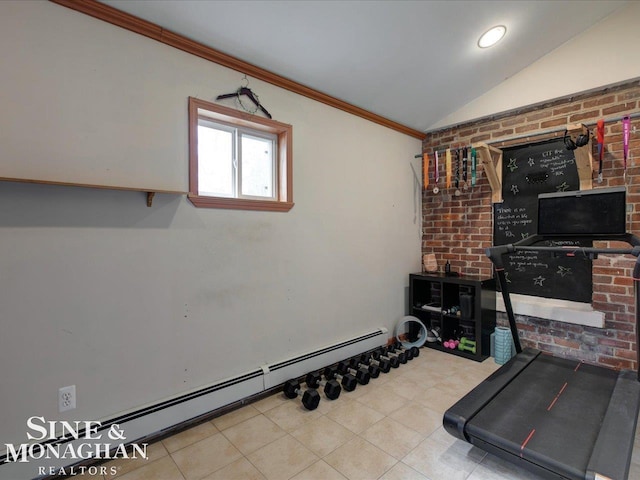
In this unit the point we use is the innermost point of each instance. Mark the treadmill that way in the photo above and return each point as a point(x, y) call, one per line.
point(559, 417)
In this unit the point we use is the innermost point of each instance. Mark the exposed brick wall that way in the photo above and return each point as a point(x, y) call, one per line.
point(459, 228)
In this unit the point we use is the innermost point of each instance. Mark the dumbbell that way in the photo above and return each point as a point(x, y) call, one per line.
point(393, 348)
point(332, 388)
point(348, 381)
point(415, 351)
point(390, 353)
point(467, 345)
point(310, 396)
point(361, 362)
point(380, 355)
point(382, 363)
point(361, 374)
point(452, 344)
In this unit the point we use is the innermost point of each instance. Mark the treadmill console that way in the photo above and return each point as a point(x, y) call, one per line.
point(601, 211)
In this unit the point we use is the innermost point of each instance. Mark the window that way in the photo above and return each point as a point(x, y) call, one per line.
point(238, 160)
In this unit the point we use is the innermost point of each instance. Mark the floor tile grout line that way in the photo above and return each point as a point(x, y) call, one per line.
point(477, 465)
point(353, 434)
point(375, 446)
point(184, 476)
point(268, 443)
point(253, 465)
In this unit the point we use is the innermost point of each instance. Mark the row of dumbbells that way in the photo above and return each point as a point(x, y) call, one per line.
point(348, 374)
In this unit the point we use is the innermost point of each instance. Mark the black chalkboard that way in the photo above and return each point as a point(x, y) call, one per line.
point(529, 170)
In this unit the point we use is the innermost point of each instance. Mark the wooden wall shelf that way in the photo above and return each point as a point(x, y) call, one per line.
point(149, 191)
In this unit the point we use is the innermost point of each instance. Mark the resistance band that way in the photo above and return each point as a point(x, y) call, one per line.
point(436, 174)
point(448, 168)
point(626, 127)
point(600, 136)
point(464, 166)
point(425, 170)
point(457, 168)
point(473, 167)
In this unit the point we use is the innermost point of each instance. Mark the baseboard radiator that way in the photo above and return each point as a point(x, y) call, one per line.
point(151, 421)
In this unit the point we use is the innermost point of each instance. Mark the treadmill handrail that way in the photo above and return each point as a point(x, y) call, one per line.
point(496, 254)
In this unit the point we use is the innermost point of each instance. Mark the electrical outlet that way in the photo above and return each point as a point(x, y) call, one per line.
point(66, 398)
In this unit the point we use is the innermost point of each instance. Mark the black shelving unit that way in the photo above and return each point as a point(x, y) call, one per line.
point(459, 307)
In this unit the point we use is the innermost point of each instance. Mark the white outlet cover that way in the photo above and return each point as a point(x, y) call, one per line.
point(67, 398)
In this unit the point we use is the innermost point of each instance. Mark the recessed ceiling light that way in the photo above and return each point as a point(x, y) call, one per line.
point(492, 36)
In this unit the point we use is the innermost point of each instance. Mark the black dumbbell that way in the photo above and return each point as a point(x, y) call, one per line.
point(415, 351)
point(383, 364)
point(310, 397)
point(386, 352)
point(332, 388)
point(380, 355)
point(397, 351)
point(348, 381)
point(402, 356)
point(362, 361)
point(361, 374)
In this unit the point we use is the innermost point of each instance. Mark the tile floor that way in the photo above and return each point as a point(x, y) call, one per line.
point(390, 429)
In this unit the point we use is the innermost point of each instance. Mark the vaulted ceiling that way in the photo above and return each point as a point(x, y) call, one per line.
point(413, 62)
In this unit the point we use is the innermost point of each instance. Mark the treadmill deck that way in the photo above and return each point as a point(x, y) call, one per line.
point(557, 417)
point(569, 398)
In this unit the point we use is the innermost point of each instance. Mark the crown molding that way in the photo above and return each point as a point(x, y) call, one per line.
point(135, 24)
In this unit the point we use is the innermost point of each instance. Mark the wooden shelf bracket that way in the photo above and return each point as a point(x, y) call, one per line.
point(583, 156)
point(491, 159)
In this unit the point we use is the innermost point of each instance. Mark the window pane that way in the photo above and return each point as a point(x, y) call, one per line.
point(215, 162)
point(257, 166)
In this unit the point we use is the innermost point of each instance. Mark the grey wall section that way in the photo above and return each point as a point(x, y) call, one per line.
point(133, 304)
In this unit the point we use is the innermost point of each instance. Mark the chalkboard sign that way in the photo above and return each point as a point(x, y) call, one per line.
point(529, 170)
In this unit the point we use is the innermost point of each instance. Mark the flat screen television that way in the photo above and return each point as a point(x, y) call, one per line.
point(601, 211)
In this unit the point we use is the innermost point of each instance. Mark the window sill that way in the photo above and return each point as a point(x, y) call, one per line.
point(239, 203)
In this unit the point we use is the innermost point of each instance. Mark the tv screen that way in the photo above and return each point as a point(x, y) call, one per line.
point(589, 212)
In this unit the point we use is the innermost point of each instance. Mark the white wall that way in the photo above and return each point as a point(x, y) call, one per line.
point(605, 54)
point(135, 304)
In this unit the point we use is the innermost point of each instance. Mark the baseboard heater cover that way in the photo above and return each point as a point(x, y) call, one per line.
point(281, 371)
point(144, 423)
point(150, 421)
